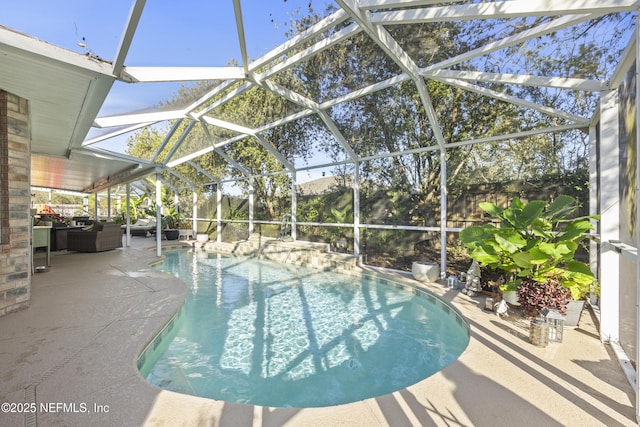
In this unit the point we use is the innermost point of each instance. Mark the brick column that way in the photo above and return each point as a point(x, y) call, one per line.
point(15, 202)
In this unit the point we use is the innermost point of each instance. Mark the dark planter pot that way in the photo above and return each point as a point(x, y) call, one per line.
point(172, 234)
point(574, 311)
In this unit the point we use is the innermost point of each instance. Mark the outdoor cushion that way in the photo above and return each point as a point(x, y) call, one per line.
point(141, 227)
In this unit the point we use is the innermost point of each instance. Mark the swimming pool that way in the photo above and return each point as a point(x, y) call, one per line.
point(257, 332)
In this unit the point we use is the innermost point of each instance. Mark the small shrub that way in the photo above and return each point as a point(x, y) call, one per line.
point(534, 296)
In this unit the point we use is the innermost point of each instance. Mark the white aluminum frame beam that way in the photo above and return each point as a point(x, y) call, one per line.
point(134, 119)
point(241, 38)
point(229, 126)
point(514, 100)
point(207, 97)
point(521, 80)
point(179, 176)
point(158, 214)
point(307, 53)
point(250, 132)
point(375, 87)
point(178, 143)
point(180, 74)
point(312, 105)
point(223, 100)
point(110, 135)
point(390, 4)
point(323, 25)
point(166, 139)
point(204, 151)
point(201, 170)
point(127, 36)
point(388, 44)
point(224, 155)
point(518, 135)
point(628, 58)
point(286, 93)
point(488, 139)
point(271, 149)
point(609, 185)
point(333, 128)
point(285, 120)
point(532, 33)
point(501, 10)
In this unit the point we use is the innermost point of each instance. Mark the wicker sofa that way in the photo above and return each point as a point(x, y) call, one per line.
point(102, 236)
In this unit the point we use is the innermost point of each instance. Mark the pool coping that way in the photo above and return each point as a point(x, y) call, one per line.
point(92, 314)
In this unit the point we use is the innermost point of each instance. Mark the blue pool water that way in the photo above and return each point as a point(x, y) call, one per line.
point(257, 332)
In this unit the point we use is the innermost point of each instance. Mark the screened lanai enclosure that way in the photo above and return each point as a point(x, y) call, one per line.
point(377, 126)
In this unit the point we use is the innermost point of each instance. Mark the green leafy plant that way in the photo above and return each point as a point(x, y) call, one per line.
point(173, 218)
point(338, 238)
point(342, 216)
point(534, 240)
point(136, 211)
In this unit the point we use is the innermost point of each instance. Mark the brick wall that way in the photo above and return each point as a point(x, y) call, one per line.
point(15, 220)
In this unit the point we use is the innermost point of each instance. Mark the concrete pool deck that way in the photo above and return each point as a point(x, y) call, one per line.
point(70, 360)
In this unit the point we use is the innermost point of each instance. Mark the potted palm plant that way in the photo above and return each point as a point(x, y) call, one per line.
point(172, 220)
point(534, 246)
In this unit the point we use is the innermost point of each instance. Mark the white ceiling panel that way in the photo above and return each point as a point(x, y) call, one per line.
point(65, 91)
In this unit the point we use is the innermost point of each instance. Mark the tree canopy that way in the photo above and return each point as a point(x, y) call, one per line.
point(390, 130)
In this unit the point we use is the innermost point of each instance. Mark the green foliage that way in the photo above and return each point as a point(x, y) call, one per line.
point(145, 142)
point(534, 240)
point(135, 207)
point(342, 216)
point(310, 209)
point(394, 120)
point(173, 218)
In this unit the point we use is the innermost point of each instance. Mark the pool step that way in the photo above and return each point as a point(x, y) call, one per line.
point(307, 254)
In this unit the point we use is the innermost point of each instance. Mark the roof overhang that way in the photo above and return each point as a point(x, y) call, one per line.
point(65, 91)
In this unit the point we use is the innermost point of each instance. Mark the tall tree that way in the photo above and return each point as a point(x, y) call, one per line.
point(393, 120)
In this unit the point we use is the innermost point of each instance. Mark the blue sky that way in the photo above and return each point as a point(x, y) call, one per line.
point(170, 33)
